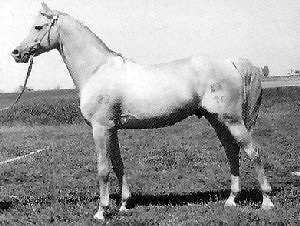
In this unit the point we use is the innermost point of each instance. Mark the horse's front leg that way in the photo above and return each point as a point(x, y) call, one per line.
point(101, 136)
point(118, 167)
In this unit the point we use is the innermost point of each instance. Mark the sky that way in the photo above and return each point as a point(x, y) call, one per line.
point(153, 31)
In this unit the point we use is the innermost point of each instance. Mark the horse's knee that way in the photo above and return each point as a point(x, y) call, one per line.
point(245, 141)
point(103, 168)
point(240, 133)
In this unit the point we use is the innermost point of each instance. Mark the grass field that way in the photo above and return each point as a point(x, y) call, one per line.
point(178, 175)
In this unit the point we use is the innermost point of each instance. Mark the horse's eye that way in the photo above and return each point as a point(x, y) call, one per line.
point(38, 27)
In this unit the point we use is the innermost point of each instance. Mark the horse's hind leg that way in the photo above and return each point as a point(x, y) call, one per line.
point(246, 142)
point(232, 150)
point(233, 136)
point(118, 167)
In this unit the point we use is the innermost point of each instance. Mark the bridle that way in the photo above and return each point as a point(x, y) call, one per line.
point(53, 19)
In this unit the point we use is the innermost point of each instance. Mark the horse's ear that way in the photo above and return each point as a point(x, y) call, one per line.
point(45, 7)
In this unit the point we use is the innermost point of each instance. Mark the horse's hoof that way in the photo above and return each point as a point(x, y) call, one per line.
point(123, 207)
point(99, 215)
point(267, 203)
point(230, 202)
point(267, 206)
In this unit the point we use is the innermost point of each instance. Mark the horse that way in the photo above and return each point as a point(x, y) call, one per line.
point(117, 93)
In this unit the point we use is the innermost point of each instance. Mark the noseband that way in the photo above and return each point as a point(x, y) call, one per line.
point(53, 19)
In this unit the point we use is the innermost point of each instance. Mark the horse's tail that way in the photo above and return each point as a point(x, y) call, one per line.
point(252, 91)
point(252, 97)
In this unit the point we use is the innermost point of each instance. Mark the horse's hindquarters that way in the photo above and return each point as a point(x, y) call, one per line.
point(223, 97)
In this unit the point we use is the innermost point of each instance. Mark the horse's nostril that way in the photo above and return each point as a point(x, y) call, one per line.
point(15, 52)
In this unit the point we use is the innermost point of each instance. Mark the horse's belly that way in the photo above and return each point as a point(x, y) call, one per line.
point(154, 105)
point(130, 120)
point(148, 97)
point(157, 102)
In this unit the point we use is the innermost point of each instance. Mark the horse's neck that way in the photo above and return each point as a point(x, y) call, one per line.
point(82, 52)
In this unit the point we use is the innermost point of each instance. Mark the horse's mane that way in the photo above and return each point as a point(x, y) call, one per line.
point(100, 41)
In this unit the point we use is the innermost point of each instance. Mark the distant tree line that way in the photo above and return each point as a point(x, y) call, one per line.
point(294, 72)
point(265, 70)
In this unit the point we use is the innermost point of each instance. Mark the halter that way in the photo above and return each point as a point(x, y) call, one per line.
point(53, 19)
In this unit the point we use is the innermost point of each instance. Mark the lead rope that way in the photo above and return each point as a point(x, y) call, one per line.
point(24, 86)
point(54, 18)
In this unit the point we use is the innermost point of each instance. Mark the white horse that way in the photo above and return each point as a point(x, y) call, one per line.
point(117, 93)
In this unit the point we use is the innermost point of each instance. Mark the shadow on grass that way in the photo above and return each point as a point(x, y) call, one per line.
point(173, 199)
point(8, 202)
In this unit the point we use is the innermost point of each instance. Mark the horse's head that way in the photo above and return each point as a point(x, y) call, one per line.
point(42, 37)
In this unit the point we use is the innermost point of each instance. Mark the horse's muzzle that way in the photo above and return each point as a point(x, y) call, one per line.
point(20, 57)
